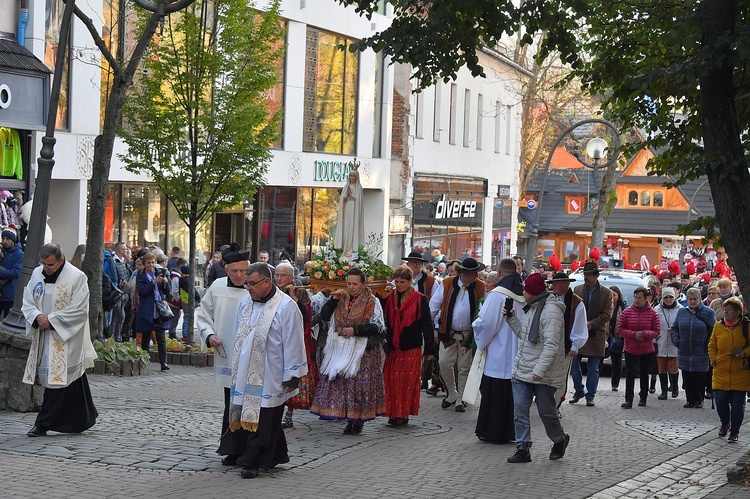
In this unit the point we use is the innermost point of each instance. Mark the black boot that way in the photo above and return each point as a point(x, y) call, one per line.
point(652, 387)
point(673, 379)
point(663, 381)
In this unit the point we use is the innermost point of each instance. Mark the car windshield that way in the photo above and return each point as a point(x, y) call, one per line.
point(626, 283)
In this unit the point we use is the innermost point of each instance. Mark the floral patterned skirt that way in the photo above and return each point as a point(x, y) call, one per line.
point(309, 382)
point(359, 398)
point(402, 377)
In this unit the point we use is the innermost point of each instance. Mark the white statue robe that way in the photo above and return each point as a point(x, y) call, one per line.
point(285, 351)
point(217, 315)
point(349, 234)
point(62, 354)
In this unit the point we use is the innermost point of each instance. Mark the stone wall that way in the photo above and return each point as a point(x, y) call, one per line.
point(14, 394)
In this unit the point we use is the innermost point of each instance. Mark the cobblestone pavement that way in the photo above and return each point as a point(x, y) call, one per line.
point(156, 436)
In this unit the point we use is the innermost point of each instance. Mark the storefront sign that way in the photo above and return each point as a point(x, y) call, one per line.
point(447, 208)
point(23, 100)
point(331, 171)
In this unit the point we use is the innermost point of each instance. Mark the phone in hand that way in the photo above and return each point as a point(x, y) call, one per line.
point(508, 308)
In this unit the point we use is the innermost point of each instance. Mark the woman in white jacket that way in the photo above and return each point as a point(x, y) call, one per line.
point(666, 351)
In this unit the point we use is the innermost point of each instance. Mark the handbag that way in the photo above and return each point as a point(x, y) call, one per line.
point(165, 313)
point(474, 379)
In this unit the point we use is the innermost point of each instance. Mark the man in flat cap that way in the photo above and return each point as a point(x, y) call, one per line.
point(598, 302)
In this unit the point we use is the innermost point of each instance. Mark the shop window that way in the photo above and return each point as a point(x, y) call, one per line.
point(646, 198)
point(632, 198)
point(317, 213)
point(144, 216)
point(330, 108)
point(53, 19)
point(571, 251)
point(277, 221)
point(658, 198)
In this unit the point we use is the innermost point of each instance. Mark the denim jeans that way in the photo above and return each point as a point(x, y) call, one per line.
point(592, 378)
point(523, 393)
point(730, 405)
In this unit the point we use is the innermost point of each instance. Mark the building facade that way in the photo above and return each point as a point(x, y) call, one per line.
point(337, 107)
point(456, 156)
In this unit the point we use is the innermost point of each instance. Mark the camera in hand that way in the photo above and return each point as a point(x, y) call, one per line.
point(508, 306)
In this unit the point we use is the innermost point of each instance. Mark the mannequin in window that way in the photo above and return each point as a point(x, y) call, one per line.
point(349, 230)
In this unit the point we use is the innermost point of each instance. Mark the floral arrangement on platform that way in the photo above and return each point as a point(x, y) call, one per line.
point(329, 264)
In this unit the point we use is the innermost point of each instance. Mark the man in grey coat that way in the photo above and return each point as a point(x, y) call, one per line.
point(538, 367)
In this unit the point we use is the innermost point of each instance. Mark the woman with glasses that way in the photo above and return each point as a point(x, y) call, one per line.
point(151, 288)
point(711, 295)
point(666, 351)
point(285, 282)
point(351, 381)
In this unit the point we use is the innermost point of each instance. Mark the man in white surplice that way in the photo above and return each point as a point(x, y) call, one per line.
point(217, 320)
point(56, 308)
point(492, 332)
point(268, 359)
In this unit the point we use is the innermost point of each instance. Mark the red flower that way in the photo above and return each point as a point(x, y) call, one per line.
point(340, 272)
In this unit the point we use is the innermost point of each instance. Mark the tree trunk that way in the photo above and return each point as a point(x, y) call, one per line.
point(192, 227)
point(604, 208)
point(727, 170)
point(99, 185)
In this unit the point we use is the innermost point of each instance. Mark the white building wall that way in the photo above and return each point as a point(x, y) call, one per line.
point(503, 85)
point(290, 167)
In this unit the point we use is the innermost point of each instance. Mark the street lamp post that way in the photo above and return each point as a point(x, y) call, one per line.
point(595, 149)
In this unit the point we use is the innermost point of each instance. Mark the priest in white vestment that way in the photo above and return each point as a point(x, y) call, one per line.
point(268, 359)
point(217, 320)
point(56, 308)
point(492, 332)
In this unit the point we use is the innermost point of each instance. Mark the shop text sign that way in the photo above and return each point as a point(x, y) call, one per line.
point(447, 208)
point(331, 171)
point(5, 96)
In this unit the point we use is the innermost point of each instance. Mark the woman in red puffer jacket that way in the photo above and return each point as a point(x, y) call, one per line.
point(638, 325)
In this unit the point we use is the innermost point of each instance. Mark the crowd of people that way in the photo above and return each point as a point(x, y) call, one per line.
point(351, 355)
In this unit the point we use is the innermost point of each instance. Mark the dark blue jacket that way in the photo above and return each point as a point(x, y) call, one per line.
point(10, 270)
point(690, 333)
point(145, 322)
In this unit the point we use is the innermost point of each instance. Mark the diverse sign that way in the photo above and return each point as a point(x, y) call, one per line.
point(447, 208)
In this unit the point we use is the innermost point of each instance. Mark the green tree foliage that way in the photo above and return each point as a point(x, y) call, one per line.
point(198, 120)
point(677, 70)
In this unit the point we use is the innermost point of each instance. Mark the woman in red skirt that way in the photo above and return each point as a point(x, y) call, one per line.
point(409, 325)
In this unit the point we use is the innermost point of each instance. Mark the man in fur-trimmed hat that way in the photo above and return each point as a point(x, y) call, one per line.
point(456, 300)
point(598, 302)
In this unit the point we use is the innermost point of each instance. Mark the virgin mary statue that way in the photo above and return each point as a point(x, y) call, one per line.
point(349, 230)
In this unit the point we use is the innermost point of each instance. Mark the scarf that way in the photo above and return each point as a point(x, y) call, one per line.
point(402, 314)
point(613, 321)
point(343, 355)
point(533, 332)
point(247, 373)
point(452, 302)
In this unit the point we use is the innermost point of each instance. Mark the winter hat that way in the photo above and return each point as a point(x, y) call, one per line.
point(185, 269)
point(668, 291)
point(534, 284)
point(10, 234)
